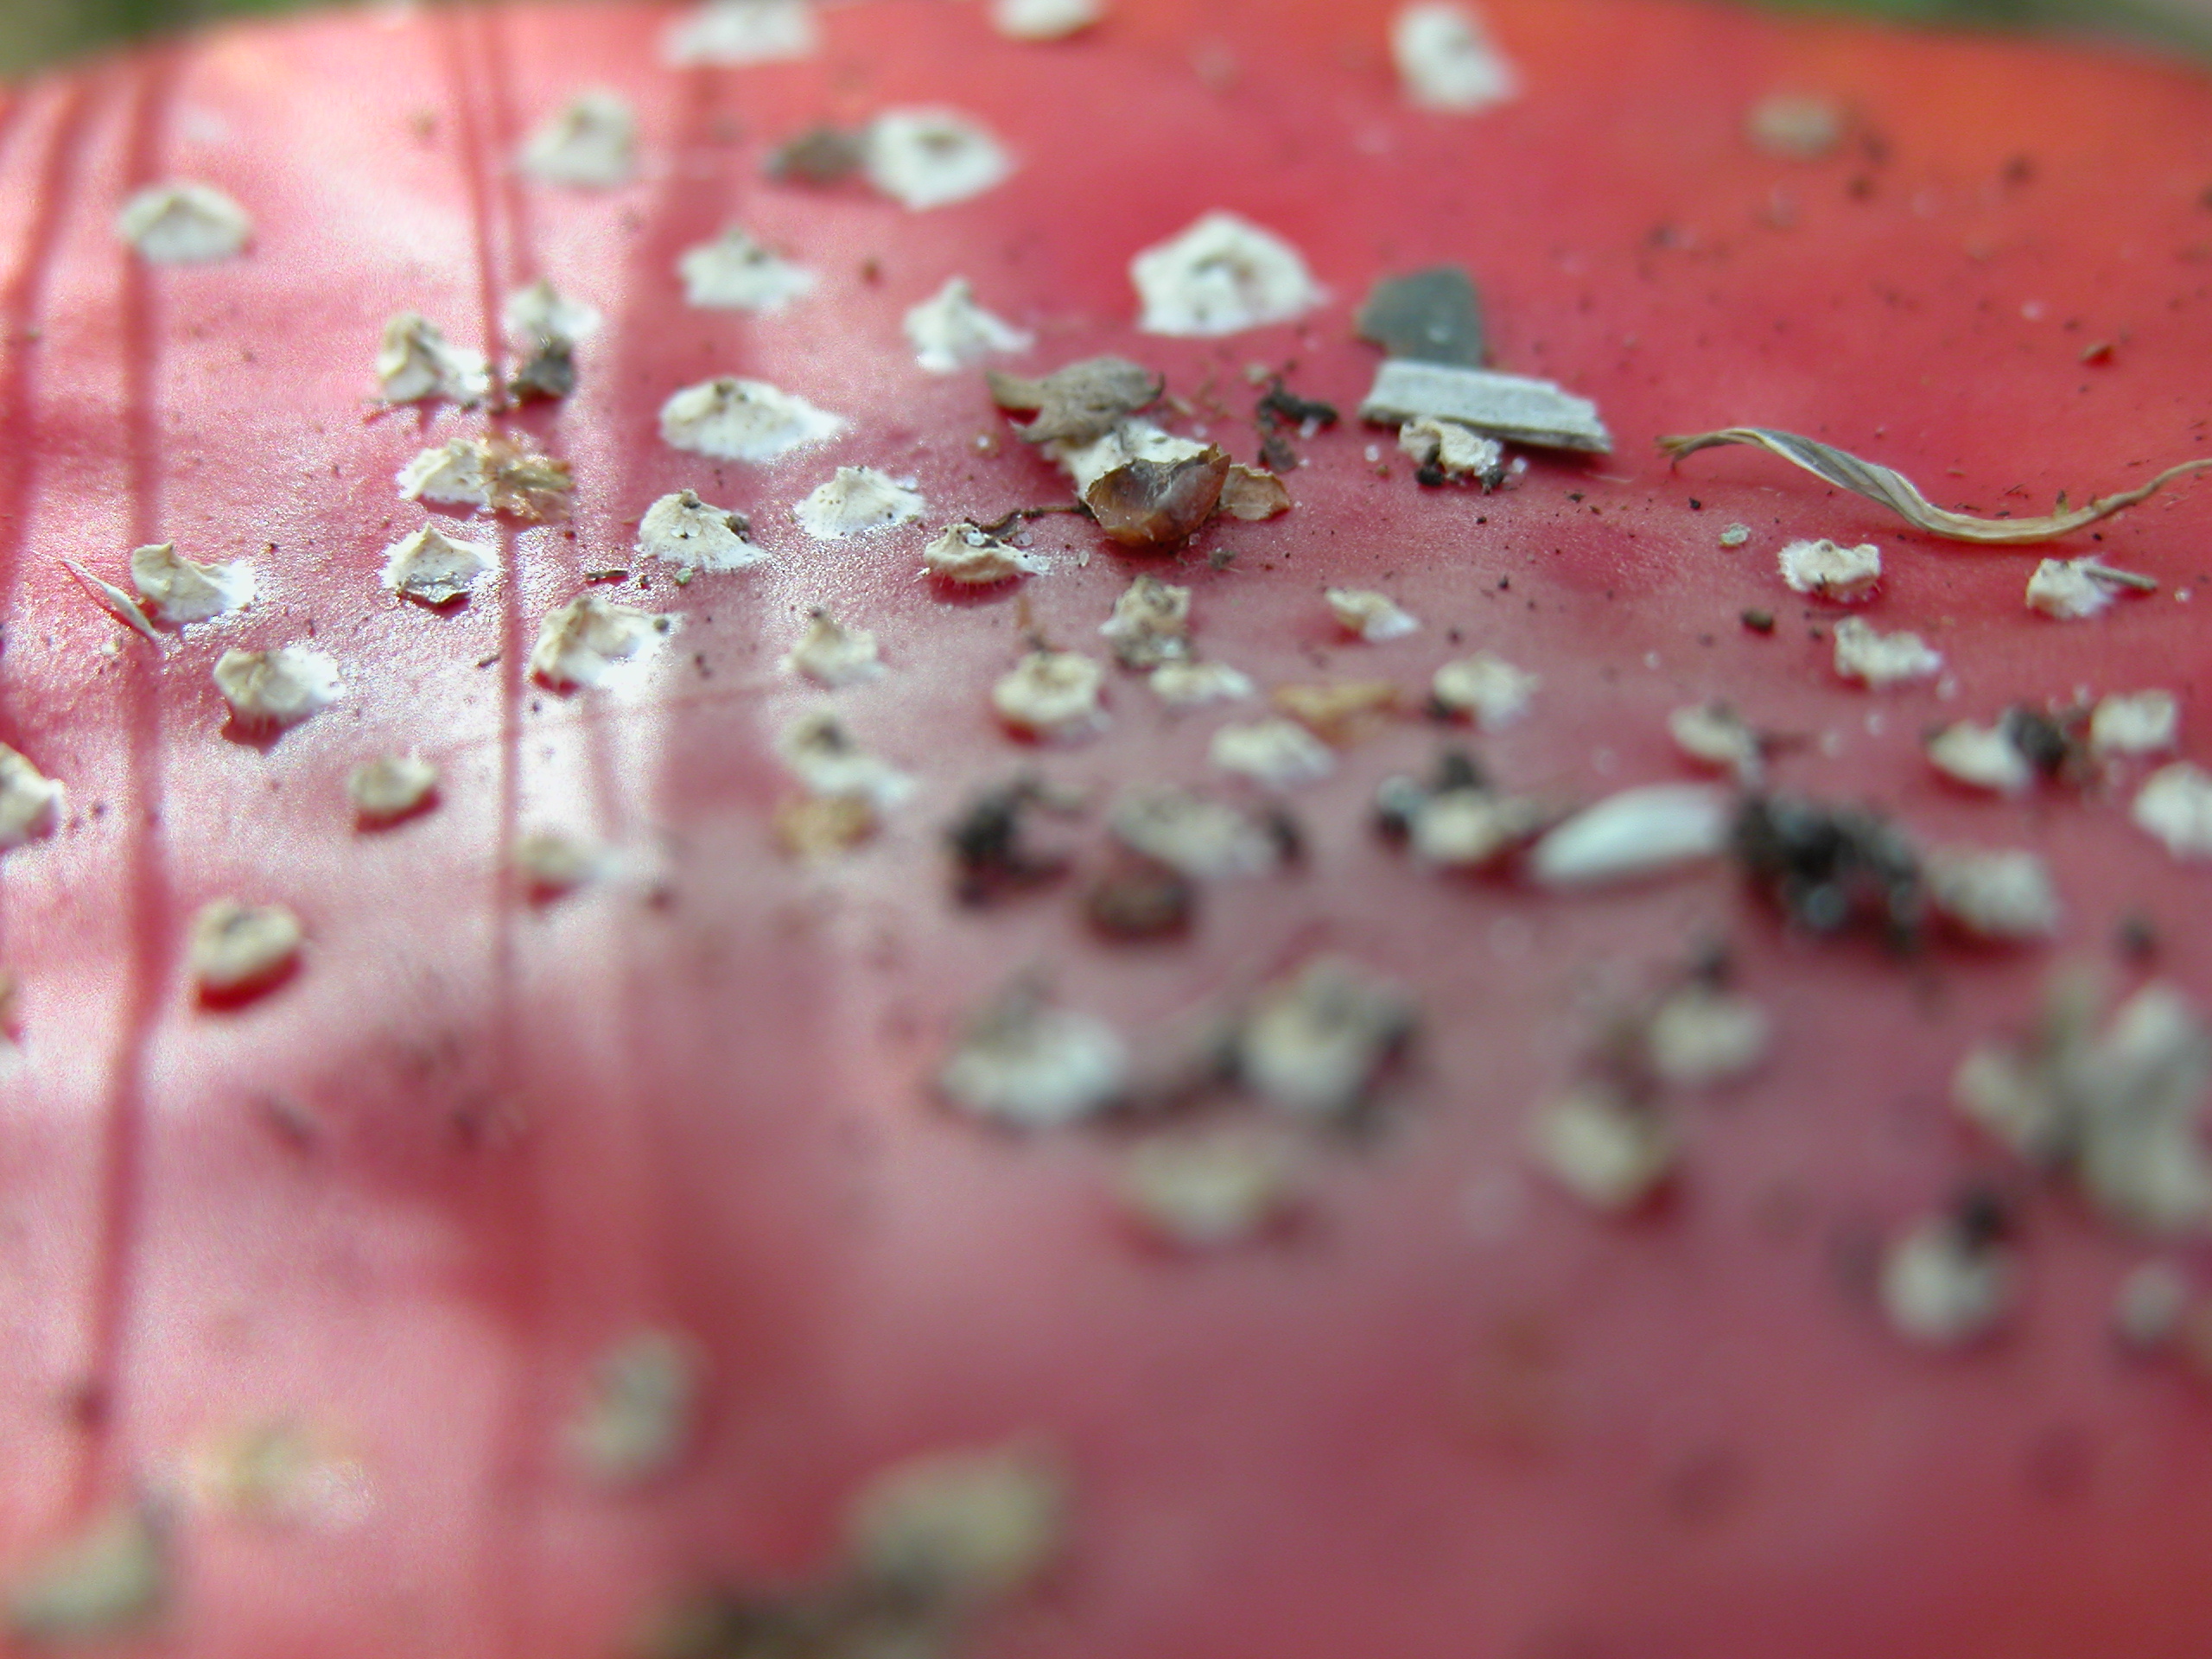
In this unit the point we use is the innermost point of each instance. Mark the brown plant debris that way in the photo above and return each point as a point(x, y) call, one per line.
point(1079, 404)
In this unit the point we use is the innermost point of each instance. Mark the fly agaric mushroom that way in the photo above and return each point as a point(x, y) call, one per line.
point(935, 1390)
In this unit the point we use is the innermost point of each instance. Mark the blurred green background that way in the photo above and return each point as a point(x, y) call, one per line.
point(37, 31)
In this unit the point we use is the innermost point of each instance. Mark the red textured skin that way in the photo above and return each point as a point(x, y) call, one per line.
point(1394, 1435)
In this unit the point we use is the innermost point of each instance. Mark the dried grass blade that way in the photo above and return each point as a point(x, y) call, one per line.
point(1896, 492)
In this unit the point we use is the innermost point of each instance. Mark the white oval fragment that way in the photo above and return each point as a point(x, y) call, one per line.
point(184, 222)
point(1794, 126)
point(178, 592)
point(1943, 1290)
point(1053, 694)
point(1316, 1045)
point(1027, 1065)
point(580, 642)
point(640, 1412)
point(1881, 660)
point(1647, 831)
point(730, 419)
point(1456, 451)
point(727, 33)
point(1376, 618)
point(1830, 570)
point(684, 531)
point(1447, 61)
point(432, 569)
point(733, 272)
point(955, 1530)
point(237, 949)
point(969, 556)
point(276, 688)
point(1204, 840)
point(1469, 829)
point(1211, 1191)
point(416, 363)
point(490, 474)
point(829, 763)
point(1700, 1036)
point(1736, 536)
point(2003, 895)
point(1151, 624)
point(1982, 757)
point(1044, 20)
point(108, 1582)
point(1279, 753)
point(1220, 277)
point(2174, 807)
point(1190, 685)
point(30, 802)
point(950, 331)
point(1610, 1152)
point(551, 865)
point(1714, 734)
point(1487, 689)
point(592, 144)
point(858, 501)
point(540, 312)
point(833, 655)
point(390, 787)
point(2141, 722)
point(930, 157)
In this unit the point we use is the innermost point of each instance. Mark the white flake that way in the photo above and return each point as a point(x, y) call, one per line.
point(1446, 59)
point(1279, 753)
point(115, 601)
point(1468, 828)
point(684, 531)
point(580, 642)
point(279, 1473)
point(178, 591)
point(540, 313)
point(1376, 618)
point(1942, 1290)
point(1210, 1192)
point(1492, 692)
point(733, 272)
point(1188, 685)
point(1831, 571)
point(1883, 659)
point(1220, 277)
point(2068, 590)
point(593, 143)
point(831, 764)
point(1637, 833)
point(456, 474)
point(392, 787)
point(1794, 126)
point(638, 1417)
point(1053, 694)
point(416, 363)
point(1736, 536)
point(1455, 450)
point(2003, 895)
point(1700, 1036)
point(833, 655)
point(969, 556)
point(236, 949)
point(930, 157)
point(1509, 406)
point(2150, 1305)
point(1315, 1045)
point(1151, 624)
point(1128, 440)
point(1609, 1153)
point(1716, 735)
point(949, 330)
point(1028, 1064)
point(731, 419)
point(955, 1530)
point(857, 501)
point(551, 865)
point(1202, 839)
point(1044, 20)
point(2175, 806)
point(726, 33)
point(2145, 722)
point(432, 569)
point(104, 1583)
point(184, 222)
point(30, 802)
point(1982, 757)
point(276, 688)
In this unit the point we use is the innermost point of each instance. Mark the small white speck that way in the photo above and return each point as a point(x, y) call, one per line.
point(1794, 126)
point(1881, 660)
point(1204, 840)
point(1203, 1193)
point(684, 531)
point(1279, 753)
point(1044, 20)
point(579, 644)
point(1220, 277)
point(1026, 1064)
point(30, 802)
point(179, 592)
point(1151, 624)
point(2174, 807)
point(831, 764)
point(732, 419)
point(2066, 589)
point(2149, 1306)
point(925, 158)
point(592, 144)
point(552, 865)
point(1651, 661)
point(726, 33)
point(1640, 832)
point(1469, 829)
point(1447, 61)
point(1188, 685)
point(733, 272)
point(2003, 895)
point(1455, 450)
point(949, 330)
point(1492, 690)
point(1700, 1038)
point(1944, 1291)
point(857, 501)
point(637, 1419)
point(108, 1581)
point(236, 949)
point(276, 688)
point(1736, 536)
point(1714, 734)
point(1982, 757)
point(1376, 618)
point(958, 1529)
point(539, 313)
point(968, 556)
point(1315, 1045)
point(1053, 694)
point(1607, 1152)
point(2145, 722)
point(2035, 310)
point(416, 363)
point(832, 655)
point(184, 223)
point(1830, 571)
point(432, 569)
point(392, 787)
